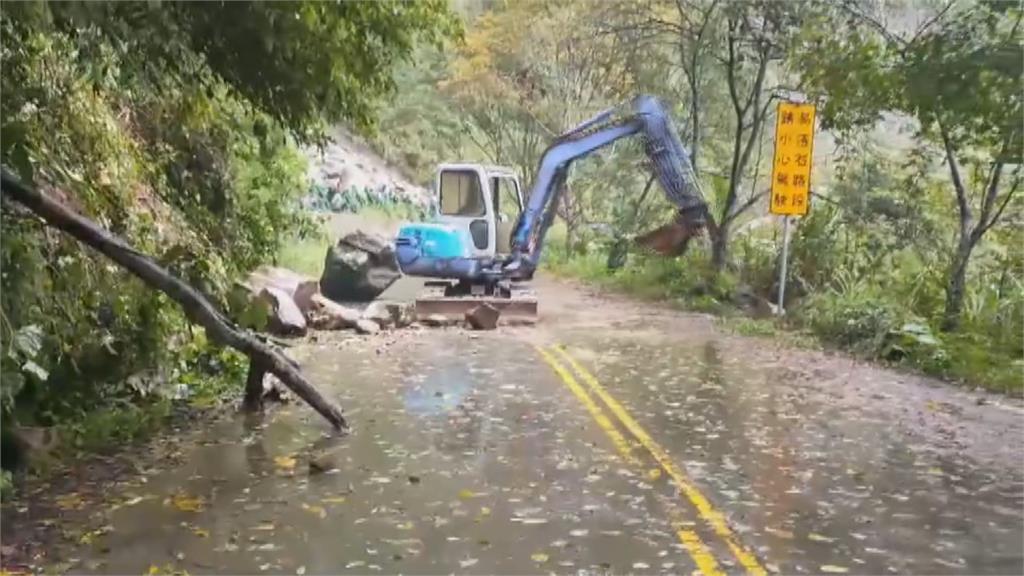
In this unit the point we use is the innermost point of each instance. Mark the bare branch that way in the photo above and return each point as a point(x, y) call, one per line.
point(746, 205)
point(850, 8)
point(1006, 200)
point(938, 16)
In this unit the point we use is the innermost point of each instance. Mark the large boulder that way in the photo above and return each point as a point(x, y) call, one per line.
point(358, 268)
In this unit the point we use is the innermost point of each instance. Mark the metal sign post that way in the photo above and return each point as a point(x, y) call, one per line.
point(791, 174)
point(782, 270)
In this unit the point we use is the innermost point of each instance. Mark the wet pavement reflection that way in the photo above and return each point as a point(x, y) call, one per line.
point(471, 455)
point(810, 480)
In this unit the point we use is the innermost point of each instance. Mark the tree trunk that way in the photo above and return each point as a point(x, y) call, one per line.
point(720, 246)
point(196, 307)
point(253, 401)
point(956, 285)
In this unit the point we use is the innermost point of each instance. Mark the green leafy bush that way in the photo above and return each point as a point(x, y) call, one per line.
point(169, 126)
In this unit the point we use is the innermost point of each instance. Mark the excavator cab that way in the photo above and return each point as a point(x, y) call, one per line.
point(483, 202)
point(476, 210)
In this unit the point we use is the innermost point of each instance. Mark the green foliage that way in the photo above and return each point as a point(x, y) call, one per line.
point(745, 326)
point(174, 126)
point(114, 425)
point(958, 76)
point(302, 63)
point(962, 71)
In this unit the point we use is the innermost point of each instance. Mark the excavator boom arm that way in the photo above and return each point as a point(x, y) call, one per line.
point(669, 160)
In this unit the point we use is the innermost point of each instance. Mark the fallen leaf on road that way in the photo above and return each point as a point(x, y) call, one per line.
point(301, 570)
point(334, 500)
point(468, 562)
point(831, 569)
point(539, 557)
point(264, 527)
point(88, 537)
point(187, 503)
point(135, 500)
point(466, 494)
point(316, 510)
point(70, 501)
point(201, 532)
point(654, 473)
point(819, 538)
point(579, 533)
point(284, 462)
point(786, 534)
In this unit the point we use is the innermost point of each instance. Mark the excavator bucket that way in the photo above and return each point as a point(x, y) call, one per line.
point(520, 307)
point(673, 238)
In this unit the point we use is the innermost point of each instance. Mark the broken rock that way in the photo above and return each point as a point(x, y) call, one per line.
point(285, 317)
point(298, 287)
point(328, 315)
point(483, 317)
point(391, 314)
point(273, 390)
point(364, 326)
point(378, 312)
point(436, 321)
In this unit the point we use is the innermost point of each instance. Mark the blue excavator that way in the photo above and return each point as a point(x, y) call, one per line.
point(472, 252)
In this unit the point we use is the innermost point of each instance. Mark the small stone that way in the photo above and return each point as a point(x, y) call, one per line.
point(436, 321)
point(320, 463)
point(364, 326)
point(378, 312)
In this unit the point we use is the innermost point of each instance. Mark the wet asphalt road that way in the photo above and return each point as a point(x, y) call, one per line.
point(498, 453)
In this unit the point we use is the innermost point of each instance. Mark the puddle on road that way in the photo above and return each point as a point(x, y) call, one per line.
point(443, 390)
point(811, 475)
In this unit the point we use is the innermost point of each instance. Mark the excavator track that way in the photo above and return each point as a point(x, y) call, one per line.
point(518, 308)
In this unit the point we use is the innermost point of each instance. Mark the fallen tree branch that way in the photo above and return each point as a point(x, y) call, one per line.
point(196, 307)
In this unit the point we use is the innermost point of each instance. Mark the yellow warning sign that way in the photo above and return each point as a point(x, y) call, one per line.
point(794, 151)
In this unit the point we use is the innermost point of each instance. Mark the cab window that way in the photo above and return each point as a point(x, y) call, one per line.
point(506, 198)
point(461, 194)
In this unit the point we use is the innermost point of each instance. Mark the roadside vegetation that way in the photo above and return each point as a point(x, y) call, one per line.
point(177, 126)
point(912, 252)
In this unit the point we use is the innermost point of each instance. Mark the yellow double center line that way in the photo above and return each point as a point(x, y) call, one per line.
point(691, 540)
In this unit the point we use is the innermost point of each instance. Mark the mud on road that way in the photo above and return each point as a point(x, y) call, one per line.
point(612, 437)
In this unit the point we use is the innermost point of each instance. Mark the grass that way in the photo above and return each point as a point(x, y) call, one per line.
point(305, 255)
